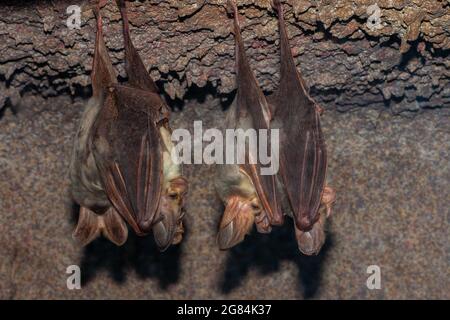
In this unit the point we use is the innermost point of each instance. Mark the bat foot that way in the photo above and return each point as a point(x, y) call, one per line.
point(262, 223)
point(232, 10)
point(328, 199)
point(277, 220)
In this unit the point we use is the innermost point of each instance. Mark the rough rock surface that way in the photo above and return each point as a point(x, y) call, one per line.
point(391, 174)
point(403, 64)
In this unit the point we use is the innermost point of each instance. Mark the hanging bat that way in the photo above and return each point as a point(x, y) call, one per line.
point(121, 168)
point(299, 189)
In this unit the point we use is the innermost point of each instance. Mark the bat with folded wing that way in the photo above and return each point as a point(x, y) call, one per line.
point(299, 189)
point(121, 170)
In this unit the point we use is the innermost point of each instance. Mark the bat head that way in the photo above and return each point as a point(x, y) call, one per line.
point(169, 229)
point(237, 220)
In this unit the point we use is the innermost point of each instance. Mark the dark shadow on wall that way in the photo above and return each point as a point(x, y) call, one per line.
point(266, 251)
point(138, 253)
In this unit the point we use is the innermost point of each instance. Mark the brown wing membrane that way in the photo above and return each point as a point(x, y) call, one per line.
point(303, 157)
point(251, 102)
point(127, 149)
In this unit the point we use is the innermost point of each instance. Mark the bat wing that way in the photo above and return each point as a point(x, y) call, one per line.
point(127, 148)
point(103, 73)
point(251, 104)
point(303, 156)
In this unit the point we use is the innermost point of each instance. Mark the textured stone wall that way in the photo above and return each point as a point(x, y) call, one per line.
point(188, 45)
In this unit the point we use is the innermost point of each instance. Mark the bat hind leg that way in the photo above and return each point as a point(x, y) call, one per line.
point(91, 225)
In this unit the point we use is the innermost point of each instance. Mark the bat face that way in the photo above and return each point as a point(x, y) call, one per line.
point(299, 187)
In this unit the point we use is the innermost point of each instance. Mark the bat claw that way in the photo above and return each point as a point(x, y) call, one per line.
point(162, 235)
point(97, 5)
